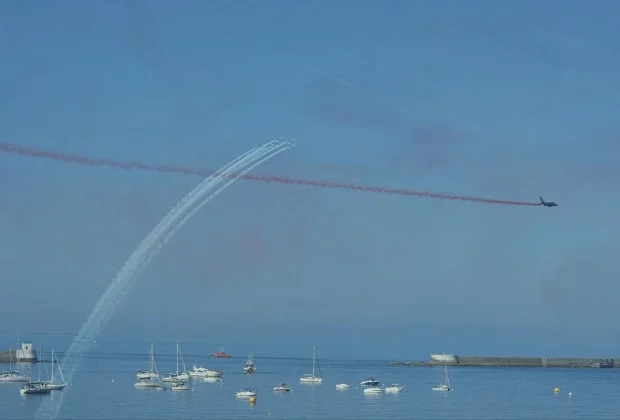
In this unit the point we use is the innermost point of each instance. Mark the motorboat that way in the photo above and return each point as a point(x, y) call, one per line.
point(393, 389)
point(148, 383)
point(246, 393)
point(282, 388)
point(445, 386)
point(219, 355)
point(201, 372)
point(312, 378)
point(373, 390)
point(342, 386)
point(370, 382)
point(249, 365)
point(34, 388)
point(212, 379)
point(170, 377)
point(180, 386)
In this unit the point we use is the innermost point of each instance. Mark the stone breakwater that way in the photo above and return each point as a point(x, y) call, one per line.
point(563, 362)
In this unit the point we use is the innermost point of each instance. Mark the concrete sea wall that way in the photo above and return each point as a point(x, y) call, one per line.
point(532, 361)
point(490, 361)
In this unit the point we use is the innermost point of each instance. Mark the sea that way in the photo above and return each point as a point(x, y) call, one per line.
point(103, 388)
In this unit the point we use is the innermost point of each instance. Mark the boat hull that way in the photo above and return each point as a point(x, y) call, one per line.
point(51, 386)
point(147, 375)
point(246, 394)
point(15, 378)
point(370, 383)
point(311, 380)
point(207, 374)
point(41, 391)
point(56, 387)
point(34, 388)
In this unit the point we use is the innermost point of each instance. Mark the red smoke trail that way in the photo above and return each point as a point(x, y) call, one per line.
point(82, 160)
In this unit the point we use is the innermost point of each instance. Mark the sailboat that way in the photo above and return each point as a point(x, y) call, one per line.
point(312, 379)
point(178, 377)
point(446, 385)
point(35, 388)
point(151, 373)
point(13, 375)
point(50, 384)
point(249, 365)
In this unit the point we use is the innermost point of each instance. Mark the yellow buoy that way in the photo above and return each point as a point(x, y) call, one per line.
point(252, 400)
point(556, 390)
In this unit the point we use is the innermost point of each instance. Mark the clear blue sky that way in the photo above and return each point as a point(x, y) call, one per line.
point(496, 99)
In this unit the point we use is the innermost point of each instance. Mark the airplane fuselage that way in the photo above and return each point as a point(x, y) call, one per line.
point(547, 203)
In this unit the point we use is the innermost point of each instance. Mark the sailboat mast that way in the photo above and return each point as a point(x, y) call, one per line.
point(41, 353)
point(52, 379)
point(313, 359)
point(177, 357)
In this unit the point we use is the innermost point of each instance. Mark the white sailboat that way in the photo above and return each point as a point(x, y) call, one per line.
point(149, 378)
point(50, 384)
point(35, 388)
point(151, 373)
point(13, 375)
point(446, 385)
point(178, 377)
point(312, 379)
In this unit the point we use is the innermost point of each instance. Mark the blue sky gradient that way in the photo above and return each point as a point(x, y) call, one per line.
point(506, 100)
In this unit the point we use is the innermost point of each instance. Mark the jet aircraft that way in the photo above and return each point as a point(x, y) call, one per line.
point(547, 203)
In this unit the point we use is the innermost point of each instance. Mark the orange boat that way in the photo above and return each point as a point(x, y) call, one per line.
point(220, 354)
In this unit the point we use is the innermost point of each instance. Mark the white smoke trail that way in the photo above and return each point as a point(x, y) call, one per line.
point(212, 196)
point(209, 182)
point(230, 171)
point(140, 258)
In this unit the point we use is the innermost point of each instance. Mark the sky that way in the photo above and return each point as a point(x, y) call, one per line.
point(505, 100)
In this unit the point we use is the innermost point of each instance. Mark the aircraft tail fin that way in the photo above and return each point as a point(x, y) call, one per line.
point(541, 200)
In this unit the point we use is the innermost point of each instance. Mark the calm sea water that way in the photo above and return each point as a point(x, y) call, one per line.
point(103, 389)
